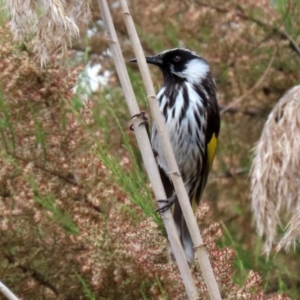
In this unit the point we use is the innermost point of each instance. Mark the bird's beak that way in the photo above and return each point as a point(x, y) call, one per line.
point(154, 60)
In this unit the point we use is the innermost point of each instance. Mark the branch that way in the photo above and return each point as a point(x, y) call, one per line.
point(257, 84)
point(233, 110)
point(145, 147)
point(69, 178)
point(231, 173)
point(281, 33)
point(174, 174)
point(7, 293)
point(38, 277)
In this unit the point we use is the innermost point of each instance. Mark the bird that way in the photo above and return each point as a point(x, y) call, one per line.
point(188, 103)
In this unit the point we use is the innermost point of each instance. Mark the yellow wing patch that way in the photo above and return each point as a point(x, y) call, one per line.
point(211, 150)
point(194, 205)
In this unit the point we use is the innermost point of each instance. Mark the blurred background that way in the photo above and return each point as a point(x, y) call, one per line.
point(77, 214)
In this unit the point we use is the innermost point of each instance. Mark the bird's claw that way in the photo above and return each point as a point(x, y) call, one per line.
point(141, 115)
point(169, 202)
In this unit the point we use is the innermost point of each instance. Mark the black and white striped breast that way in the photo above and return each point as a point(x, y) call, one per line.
point(184, 111)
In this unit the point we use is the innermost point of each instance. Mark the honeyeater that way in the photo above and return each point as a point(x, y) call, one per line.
point(188, 102)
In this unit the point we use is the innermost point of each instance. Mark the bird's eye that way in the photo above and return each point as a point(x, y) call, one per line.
point(177, 58)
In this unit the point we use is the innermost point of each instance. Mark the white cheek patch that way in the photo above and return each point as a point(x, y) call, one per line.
point(195, 71)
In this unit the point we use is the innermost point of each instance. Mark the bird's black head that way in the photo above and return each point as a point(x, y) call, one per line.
point(180, 64)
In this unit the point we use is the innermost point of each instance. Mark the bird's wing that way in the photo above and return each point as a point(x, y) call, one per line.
point(212, 129)
point(211, 150)
point(211, 141)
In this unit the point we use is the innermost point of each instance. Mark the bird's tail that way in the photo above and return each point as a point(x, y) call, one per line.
point(183, 233)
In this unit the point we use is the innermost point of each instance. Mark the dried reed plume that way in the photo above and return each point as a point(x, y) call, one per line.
point(275, 173)
point(51, 24)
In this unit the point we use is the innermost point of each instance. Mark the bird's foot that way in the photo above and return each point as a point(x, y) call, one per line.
point(168, 204)
point(142, 116)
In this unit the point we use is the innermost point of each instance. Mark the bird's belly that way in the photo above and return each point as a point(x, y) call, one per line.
point(186, 124)
point(187, 146)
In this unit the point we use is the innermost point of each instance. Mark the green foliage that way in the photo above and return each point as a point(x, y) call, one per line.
point(289, 10)
point(138, 89)
point(5, 125)
point(63, 219)
point(133, 183)
point(86, 289)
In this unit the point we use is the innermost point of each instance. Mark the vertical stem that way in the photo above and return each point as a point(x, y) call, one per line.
point(179, 187)
point(146, 151)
